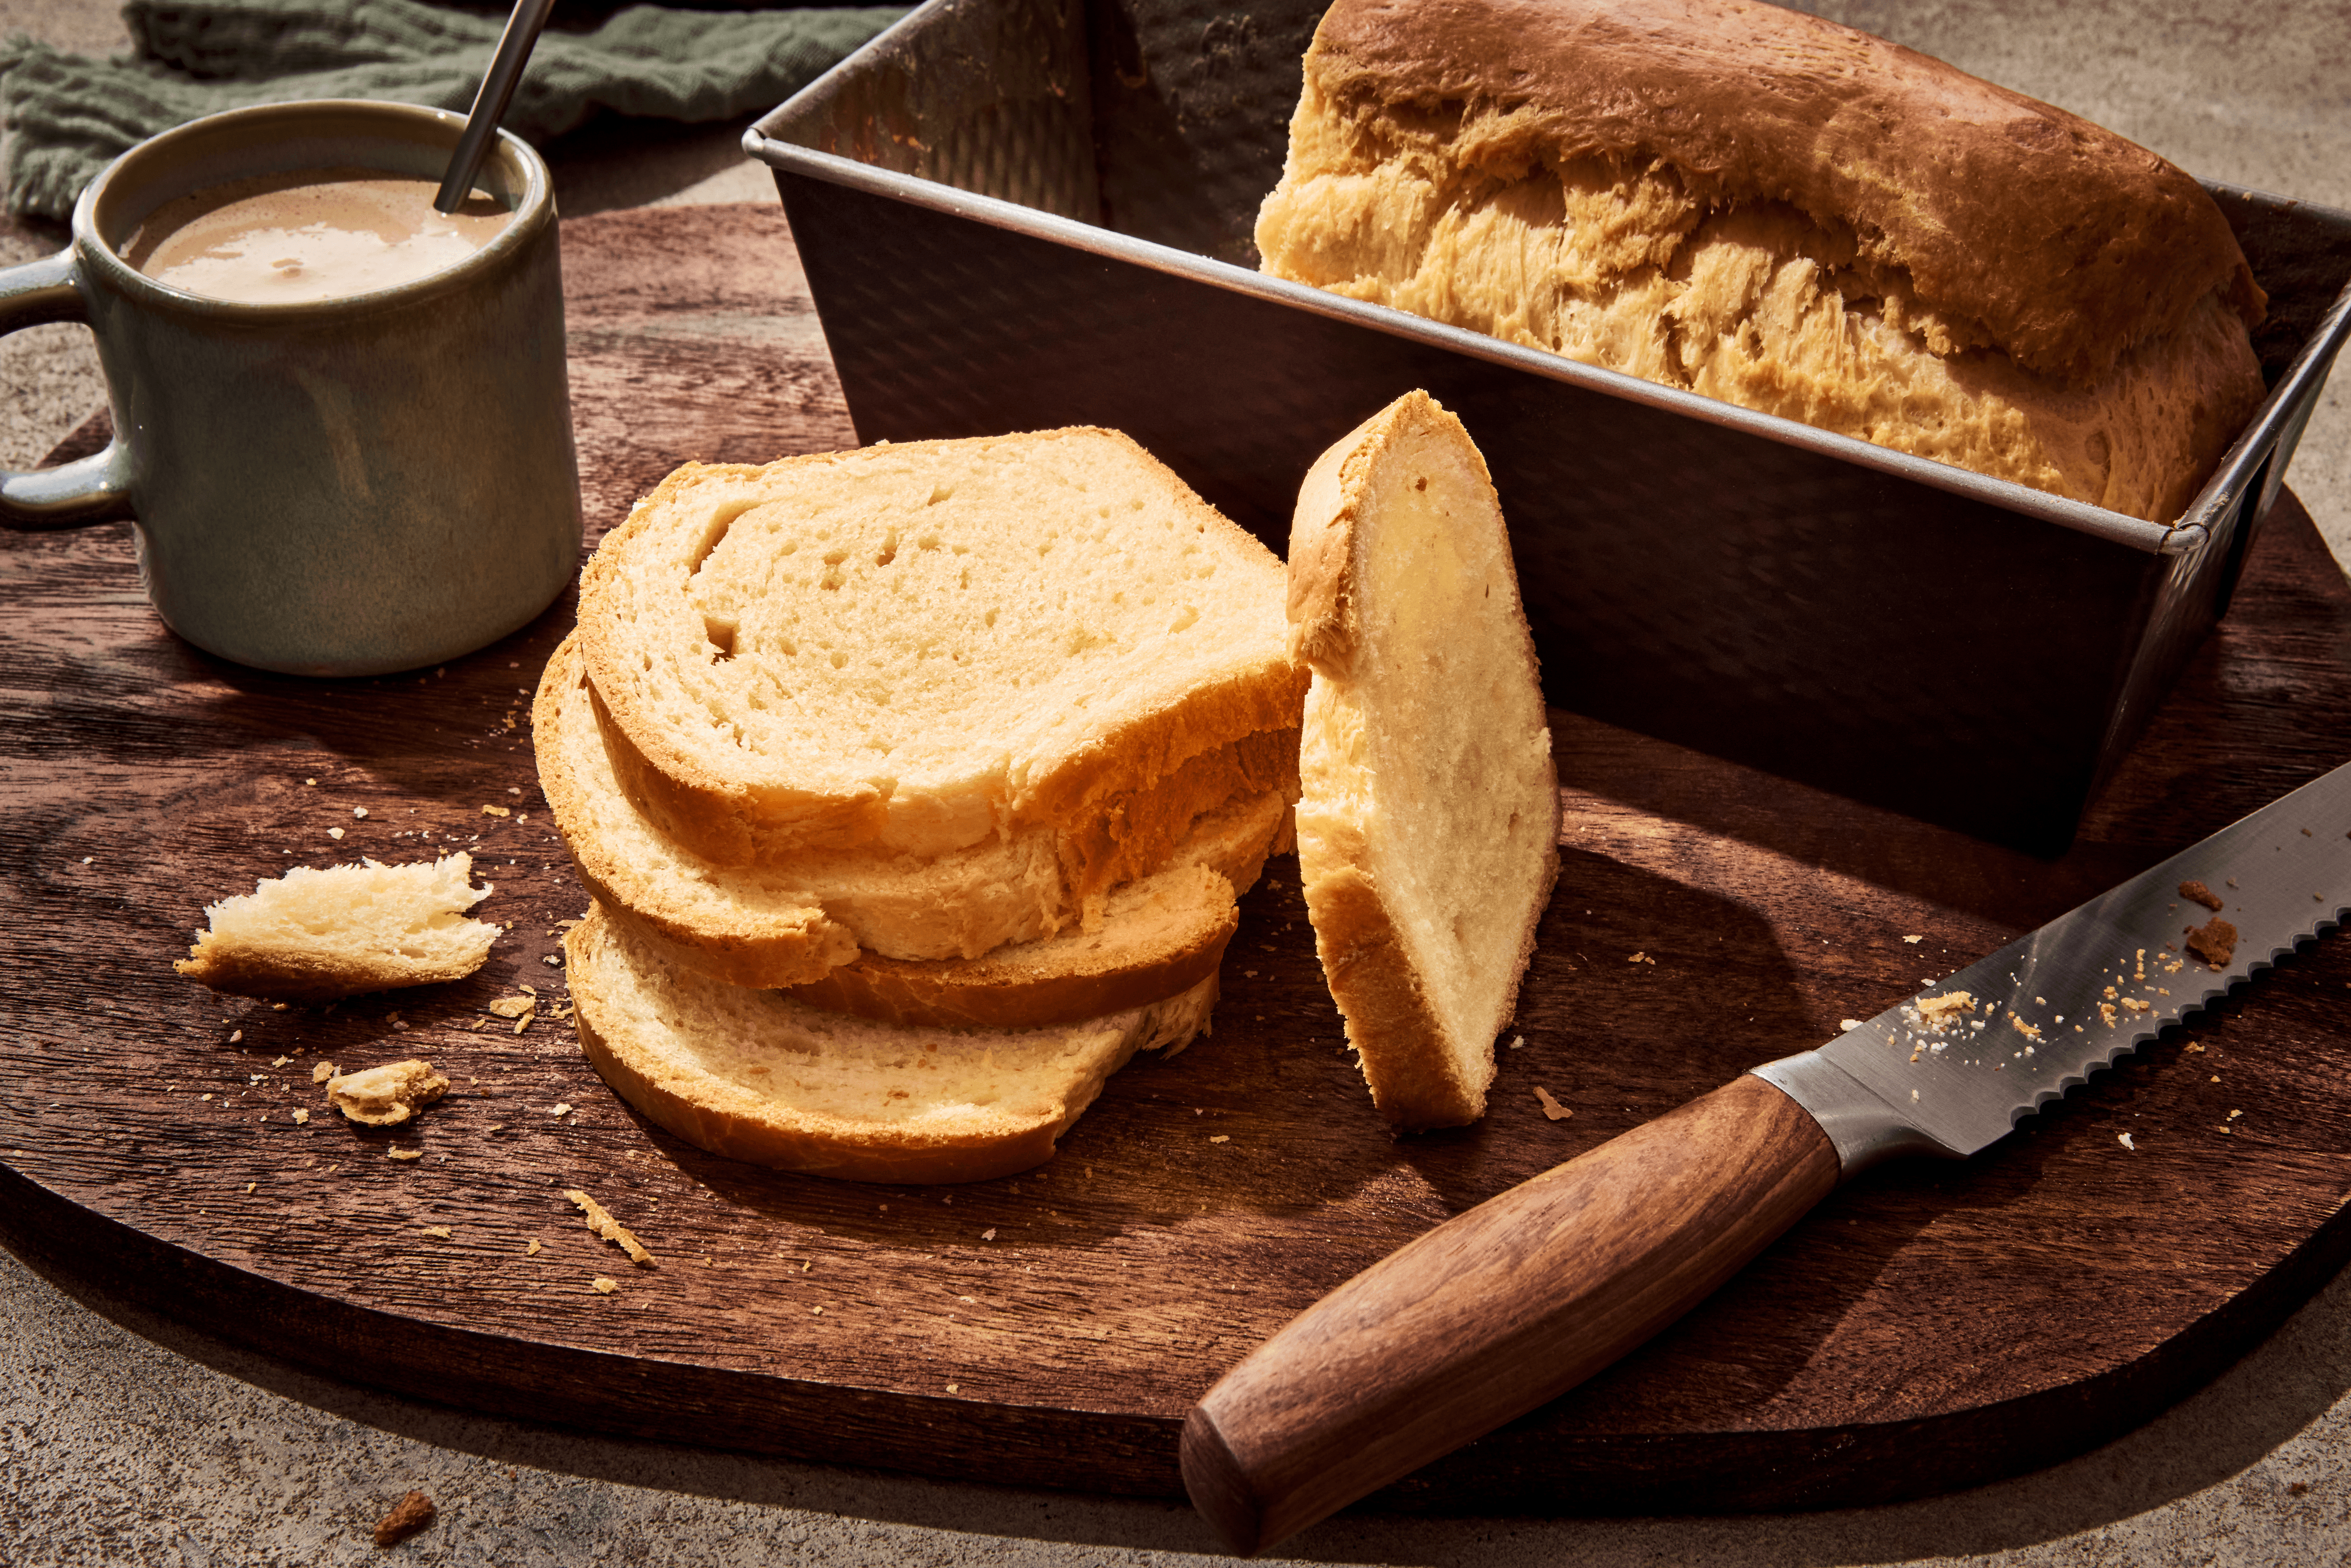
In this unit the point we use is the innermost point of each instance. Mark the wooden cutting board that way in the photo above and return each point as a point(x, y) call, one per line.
point(1930, 1327)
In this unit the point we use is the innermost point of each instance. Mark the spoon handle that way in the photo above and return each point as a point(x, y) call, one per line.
point(490, 102)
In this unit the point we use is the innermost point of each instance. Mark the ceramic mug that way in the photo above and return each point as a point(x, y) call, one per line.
point(345, 486)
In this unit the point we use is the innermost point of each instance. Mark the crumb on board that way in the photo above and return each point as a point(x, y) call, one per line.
point(409, 1515)
point(2196, 893)
point(301, 1117)
point(439, 1231)
point(322, 1071)
point(1220, 1138)
point(2124, 1140)
point(610, 1229)
point(604, 1284)
point(2215, 941)
point(398, 1153)
point(387, 1095)
point(534, 1249)
point(497, 812)
point(1550, 1107)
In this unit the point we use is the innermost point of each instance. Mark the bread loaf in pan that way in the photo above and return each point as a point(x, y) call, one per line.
point(1781, 213)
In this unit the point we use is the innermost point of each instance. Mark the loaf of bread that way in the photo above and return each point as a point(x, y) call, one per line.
point(757, 1076)
point(1428, 825)
point(1781, 213)
point(312, 934)
point(915, 649)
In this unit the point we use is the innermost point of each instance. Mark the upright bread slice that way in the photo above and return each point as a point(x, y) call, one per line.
point(911, 649)
point(1159, 936)
point(756, 1076)
point(790, 923)
point(1428, 825)
point(312, 934)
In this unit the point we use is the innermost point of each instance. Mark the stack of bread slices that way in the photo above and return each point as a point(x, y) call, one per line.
point(915, 787)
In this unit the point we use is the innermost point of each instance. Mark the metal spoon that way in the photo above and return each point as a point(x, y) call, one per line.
point(490, 103)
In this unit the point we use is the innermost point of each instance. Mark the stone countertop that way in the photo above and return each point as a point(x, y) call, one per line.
point(125, 1438)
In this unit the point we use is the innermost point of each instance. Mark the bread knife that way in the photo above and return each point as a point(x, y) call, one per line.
point(1513, 1302)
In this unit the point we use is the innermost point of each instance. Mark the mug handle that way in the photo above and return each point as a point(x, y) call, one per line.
point(75, 492)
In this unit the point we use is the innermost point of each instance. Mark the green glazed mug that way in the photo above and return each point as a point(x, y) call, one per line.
point(343, 486)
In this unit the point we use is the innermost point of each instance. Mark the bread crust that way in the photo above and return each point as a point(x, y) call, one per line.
point(1078, 974)
point(757, 808)
point(719, 1116)
point(1935, 171)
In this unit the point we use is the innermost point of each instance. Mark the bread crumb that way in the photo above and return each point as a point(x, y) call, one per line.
point(1550, 1107)
point(336, 835)
point(2028, 1030)
point(440, 1230)
point(1641, 959)
point(951, 1388)
point(1940, 1013)
point(236, 1035)
point(513, 1007)
point(1220, 1138)
point(2234, 1115)
point(609, 1228)
point(1914, 938)
point(561, 1109)
point(496, 812)
point(2197, 893)
point(409, 1515)
point(2215, 941)
point(605, 1284)
point(387, 1095)
point(2124, 1139)
point(1847, 1026)
point(249, 1186)
point(1517, 1040)
point(986, 1235)
point(301, 1117)
point(534, 1249)
point(322, 1071)
point(401, 1153)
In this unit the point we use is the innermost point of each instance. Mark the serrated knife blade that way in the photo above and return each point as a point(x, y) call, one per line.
point(1952, 1068)
point(1520, 1299)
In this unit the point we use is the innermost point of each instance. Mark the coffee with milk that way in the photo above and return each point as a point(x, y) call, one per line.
point(317, 233)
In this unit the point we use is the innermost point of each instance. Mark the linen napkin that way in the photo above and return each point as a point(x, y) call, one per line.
point(69, 116)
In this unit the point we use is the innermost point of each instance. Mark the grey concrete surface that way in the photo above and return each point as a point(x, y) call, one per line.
point(127, 1439)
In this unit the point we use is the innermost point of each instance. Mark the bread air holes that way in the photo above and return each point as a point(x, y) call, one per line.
point(721, 633)
point(715, 530)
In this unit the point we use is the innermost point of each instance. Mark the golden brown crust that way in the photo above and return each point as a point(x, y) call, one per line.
point(1935, 171)
point(1030, 986)
point(1389, 1021)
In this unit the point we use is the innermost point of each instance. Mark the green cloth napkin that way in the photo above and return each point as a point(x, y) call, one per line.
point(69, 116)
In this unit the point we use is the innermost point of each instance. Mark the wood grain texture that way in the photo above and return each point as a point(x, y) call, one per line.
point(1928, 1327)
point(1499, 1309)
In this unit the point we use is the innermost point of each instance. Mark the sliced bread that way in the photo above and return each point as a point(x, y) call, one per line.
point(1158, 935)
point(792, 922)
point(1429, 822)
point(755, 1076)
point(917, 648)
point(314, 934)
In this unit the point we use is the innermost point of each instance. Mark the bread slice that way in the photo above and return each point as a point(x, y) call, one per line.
point(1159, 936)
point(756, 1076)
point(1428, 825)
point(315, 935)
point(791, 922)
point(915, 649)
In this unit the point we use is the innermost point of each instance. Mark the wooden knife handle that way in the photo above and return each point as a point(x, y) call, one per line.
point(1499, 1310)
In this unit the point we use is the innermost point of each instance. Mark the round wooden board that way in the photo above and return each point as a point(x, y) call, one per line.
point(1930, 1327)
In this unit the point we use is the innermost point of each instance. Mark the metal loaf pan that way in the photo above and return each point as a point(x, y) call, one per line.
point(1022, 214)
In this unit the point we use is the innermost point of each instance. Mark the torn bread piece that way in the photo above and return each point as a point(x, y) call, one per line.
point(314, 935)
point(1428, 823)
point(756, 1076)
point(387, 1095)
